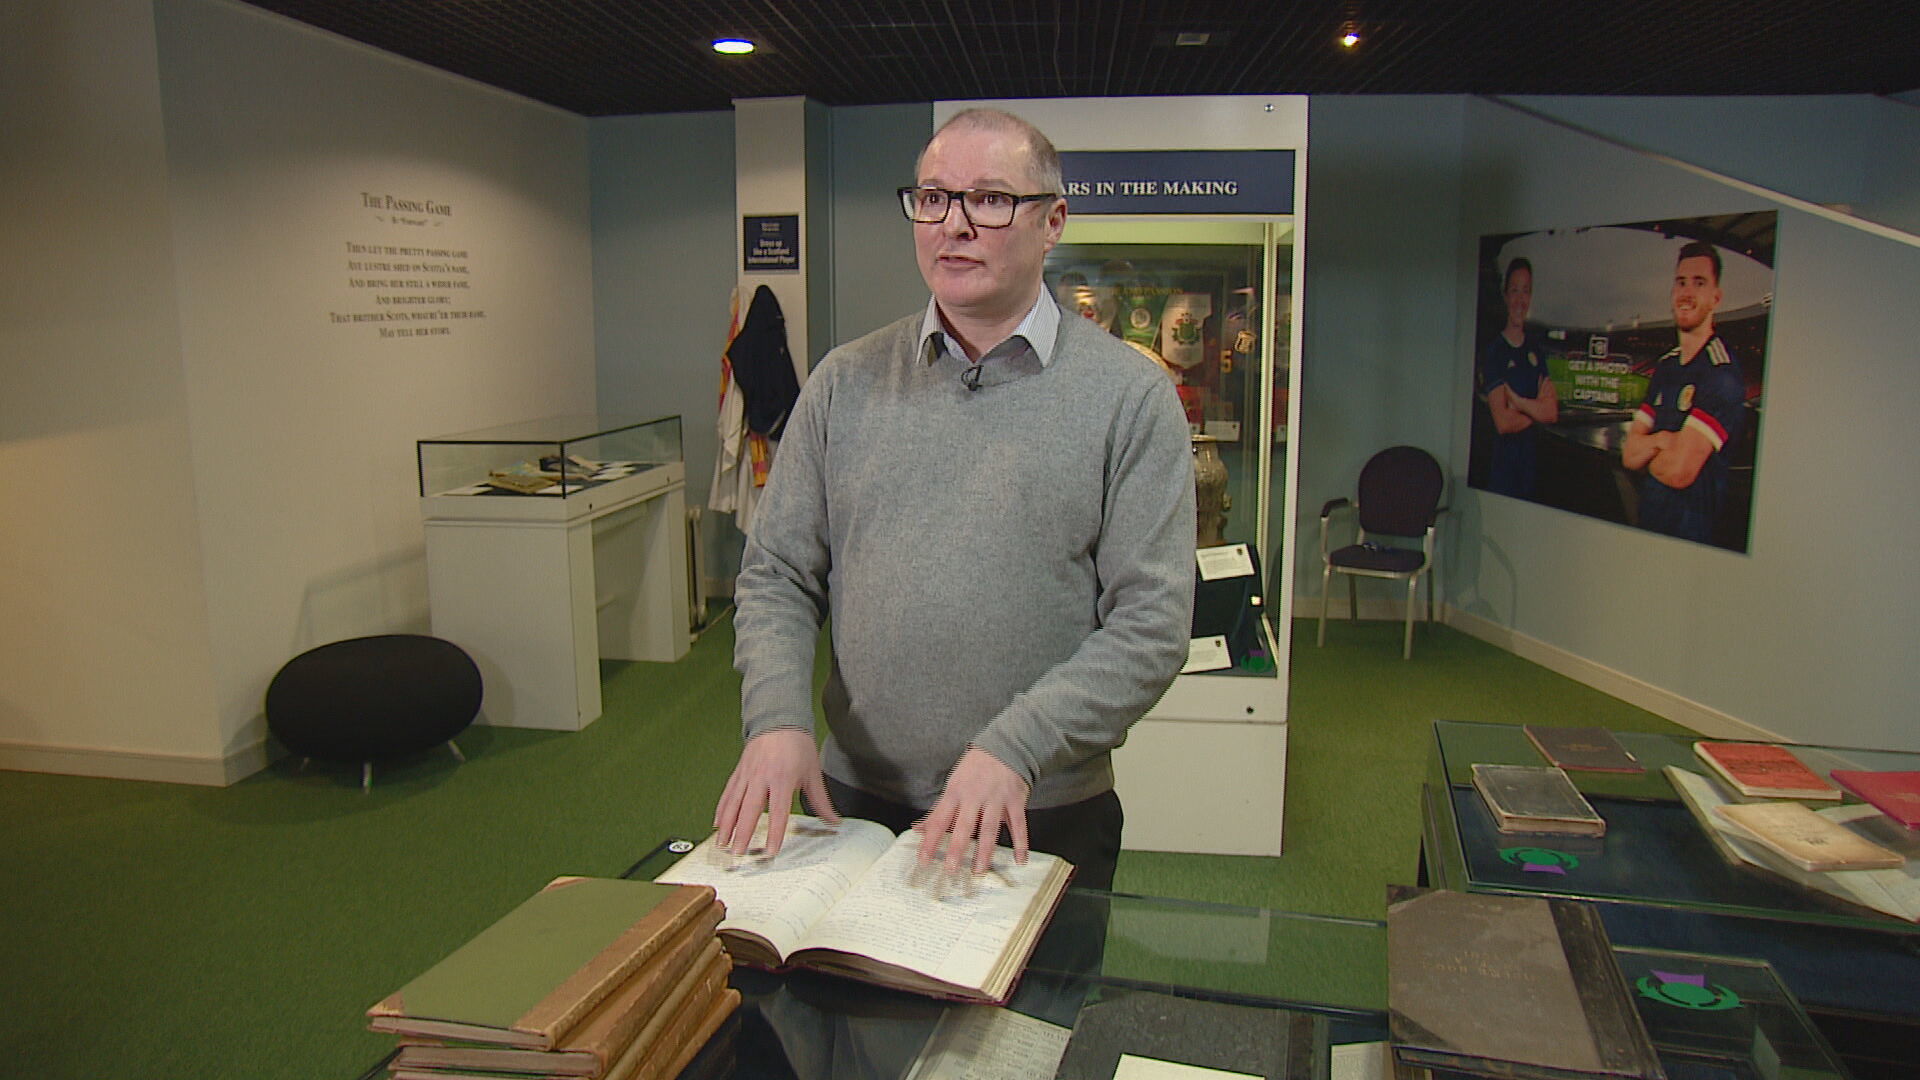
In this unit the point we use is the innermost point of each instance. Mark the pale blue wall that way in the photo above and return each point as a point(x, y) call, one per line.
point(1804, 636)
point(1383, 194)
point(875, 278)
point(663, 269)
point(1852, 149)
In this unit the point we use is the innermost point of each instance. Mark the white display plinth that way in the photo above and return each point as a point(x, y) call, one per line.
point(1206, 769)
point(539, 590)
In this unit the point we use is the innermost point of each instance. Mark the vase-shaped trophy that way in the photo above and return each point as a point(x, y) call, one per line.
point(1211, 501)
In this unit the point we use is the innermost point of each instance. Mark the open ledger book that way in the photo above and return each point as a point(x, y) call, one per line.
point(848, 900)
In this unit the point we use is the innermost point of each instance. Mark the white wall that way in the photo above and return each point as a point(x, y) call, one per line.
point(104, 640)
point(1811, 636)
point(215, 473)
point(304, 428)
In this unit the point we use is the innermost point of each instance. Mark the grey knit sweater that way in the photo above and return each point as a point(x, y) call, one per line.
point(1010, 567)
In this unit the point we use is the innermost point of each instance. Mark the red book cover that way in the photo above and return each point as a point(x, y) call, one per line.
point(1895, 794)
point(1767, 770)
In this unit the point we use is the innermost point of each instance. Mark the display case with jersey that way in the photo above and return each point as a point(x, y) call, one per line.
point(1187, 247)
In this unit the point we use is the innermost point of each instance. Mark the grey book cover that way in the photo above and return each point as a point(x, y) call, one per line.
point(1511, 987)
point(1277, 1044)
point(1537, 799)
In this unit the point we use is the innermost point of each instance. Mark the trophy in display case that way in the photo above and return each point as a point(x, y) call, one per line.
point(1198, 299)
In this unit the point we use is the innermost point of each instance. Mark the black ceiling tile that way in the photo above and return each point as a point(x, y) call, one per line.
point(604, 57)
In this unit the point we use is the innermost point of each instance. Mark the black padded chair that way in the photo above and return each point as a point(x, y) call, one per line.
point(1398, 496)
point(369, 698)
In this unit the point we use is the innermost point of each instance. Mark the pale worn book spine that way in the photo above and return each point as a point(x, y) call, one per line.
point(668, 1062)
point(676, 1016)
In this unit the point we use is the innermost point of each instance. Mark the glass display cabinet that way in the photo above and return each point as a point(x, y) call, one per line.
point(549, 459)
point(1210, 302)
point(1183, 239)
point(554, 544)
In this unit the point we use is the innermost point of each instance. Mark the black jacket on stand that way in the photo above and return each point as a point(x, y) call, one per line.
point(763, 367)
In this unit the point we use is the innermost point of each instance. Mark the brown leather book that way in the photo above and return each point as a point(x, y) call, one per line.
point(679, 1019)
point(531, 978)
point(589, 1050)
point(703, 1030)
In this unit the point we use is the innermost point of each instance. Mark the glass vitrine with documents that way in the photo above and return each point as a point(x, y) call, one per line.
point(553, 457)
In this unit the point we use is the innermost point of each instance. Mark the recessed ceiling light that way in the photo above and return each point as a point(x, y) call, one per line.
point(1349, 36)
point(732, 46)
point(1191, 37)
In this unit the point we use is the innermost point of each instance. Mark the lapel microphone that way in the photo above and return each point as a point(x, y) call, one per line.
point(970, 378)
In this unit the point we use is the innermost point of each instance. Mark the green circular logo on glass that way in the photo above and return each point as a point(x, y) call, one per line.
point(1538, 858)
point(1687, 994)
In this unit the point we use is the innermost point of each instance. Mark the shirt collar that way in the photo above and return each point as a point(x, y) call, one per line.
point(1037, 331)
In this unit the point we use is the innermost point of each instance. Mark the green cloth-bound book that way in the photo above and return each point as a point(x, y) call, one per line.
point(528, 979)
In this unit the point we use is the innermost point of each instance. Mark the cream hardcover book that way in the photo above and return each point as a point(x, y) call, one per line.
point(1895, 892)
point(849, 899)
point(1810, 841)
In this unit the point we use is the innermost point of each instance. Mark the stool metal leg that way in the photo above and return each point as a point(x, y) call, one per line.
point(366, 776)
point(457, 755)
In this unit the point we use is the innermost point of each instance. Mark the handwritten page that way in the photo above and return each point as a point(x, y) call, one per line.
point(956, 934)
point(779, 898)
point(984, 1042)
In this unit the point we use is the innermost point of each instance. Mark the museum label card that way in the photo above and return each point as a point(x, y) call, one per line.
point(1207, 654)
point(1225, 561)
point(1146, 1068)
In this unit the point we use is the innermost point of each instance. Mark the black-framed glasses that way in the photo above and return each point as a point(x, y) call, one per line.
point(983, 208)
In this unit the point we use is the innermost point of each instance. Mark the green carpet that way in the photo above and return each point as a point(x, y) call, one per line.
point(161, 930)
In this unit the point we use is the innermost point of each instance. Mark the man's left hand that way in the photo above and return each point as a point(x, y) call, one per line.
point(981, 795)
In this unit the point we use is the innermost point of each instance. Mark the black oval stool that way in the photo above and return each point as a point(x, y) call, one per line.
point(370, 698)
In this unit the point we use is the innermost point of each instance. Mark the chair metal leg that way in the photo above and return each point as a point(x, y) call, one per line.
point(457, 755)
point(302, 767)
point(1326, 581)
point(1353, 598)
point(366, 776)
point(1406, 649)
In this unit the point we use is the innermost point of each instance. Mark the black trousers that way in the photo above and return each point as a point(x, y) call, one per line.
point(1086, 833)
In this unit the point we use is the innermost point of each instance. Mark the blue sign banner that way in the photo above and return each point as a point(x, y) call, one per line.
point(771, 242)
point(1178, 181)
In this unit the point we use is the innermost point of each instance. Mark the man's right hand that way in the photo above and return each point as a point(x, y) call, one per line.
point(773, 765)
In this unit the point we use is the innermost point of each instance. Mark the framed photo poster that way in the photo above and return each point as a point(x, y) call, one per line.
point(1619, 371)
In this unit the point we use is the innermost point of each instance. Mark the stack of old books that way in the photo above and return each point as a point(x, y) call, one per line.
point(589, 979)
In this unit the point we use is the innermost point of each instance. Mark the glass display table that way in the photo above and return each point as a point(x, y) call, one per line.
point(1327, 976)
point(1661, 883)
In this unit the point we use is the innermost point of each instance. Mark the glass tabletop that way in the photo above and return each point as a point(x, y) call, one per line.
point(1653, 851)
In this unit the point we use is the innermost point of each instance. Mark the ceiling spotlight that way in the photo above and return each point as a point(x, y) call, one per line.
point(1350, 35)
point(1191, 37)
point(732, 46)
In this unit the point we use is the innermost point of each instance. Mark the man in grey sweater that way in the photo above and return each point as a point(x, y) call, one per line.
point(995, 506)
